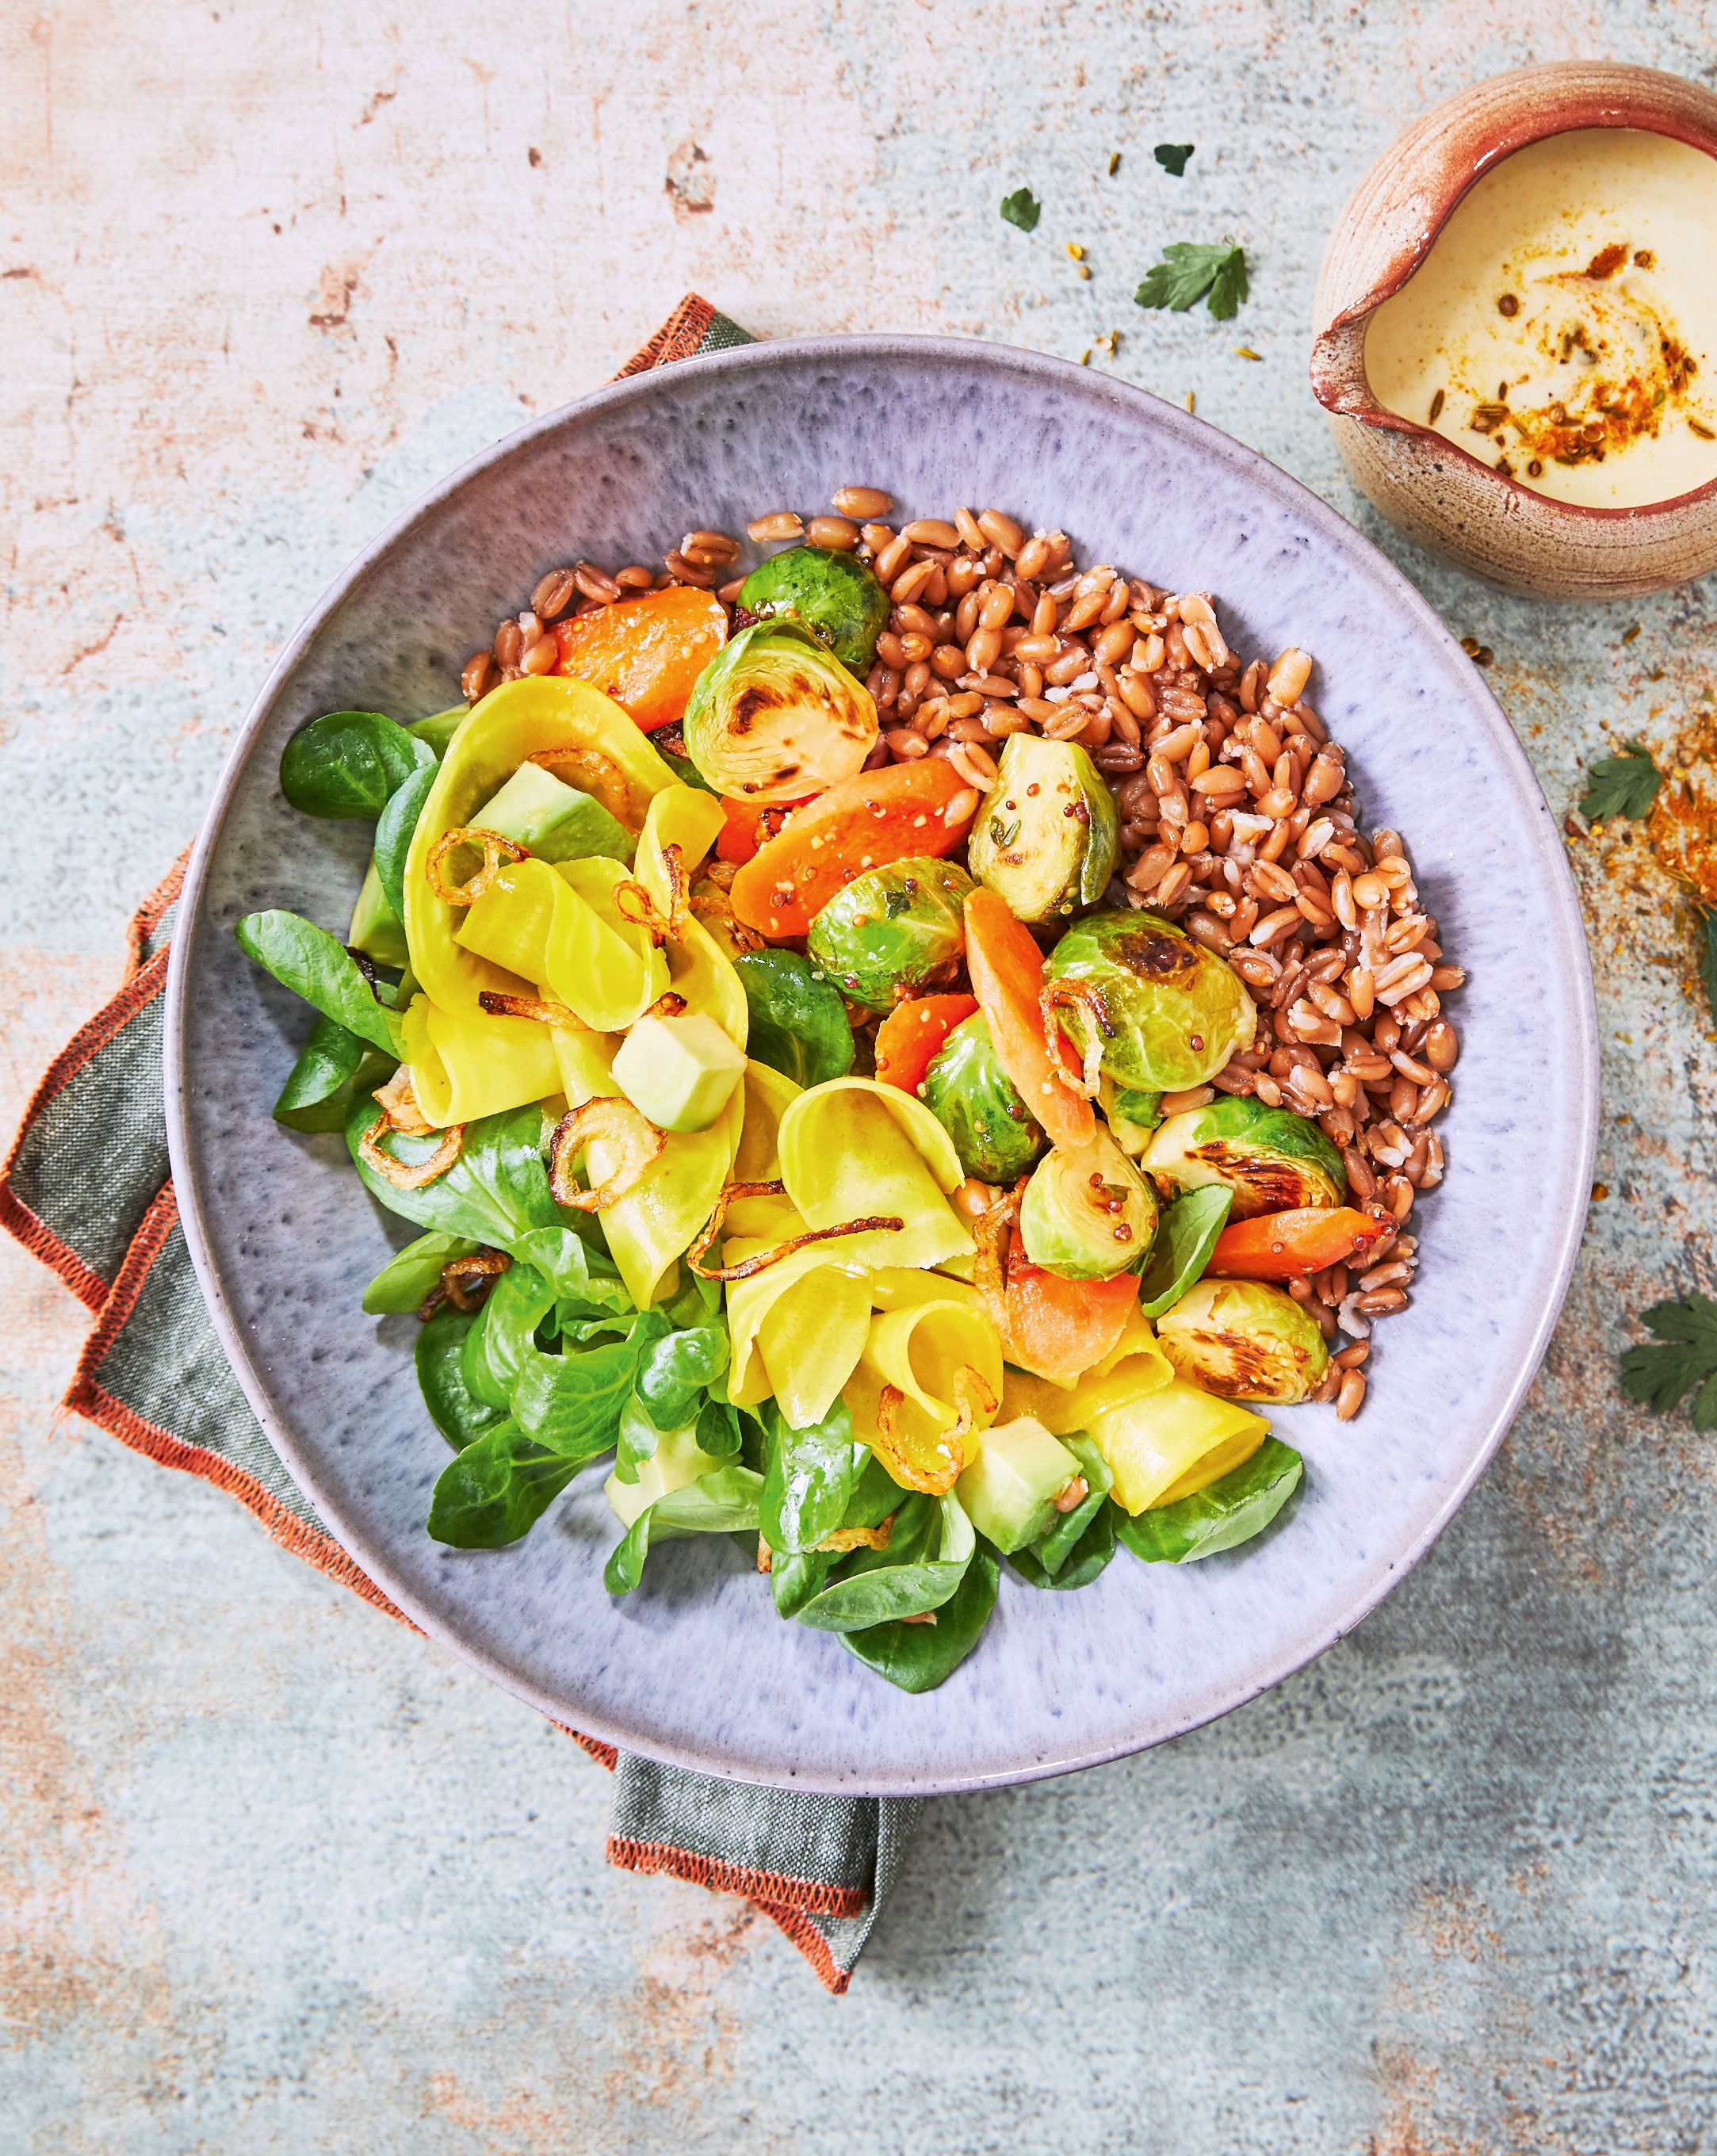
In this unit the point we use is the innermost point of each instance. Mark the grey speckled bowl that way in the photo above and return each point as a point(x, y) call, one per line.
point(697, 1668)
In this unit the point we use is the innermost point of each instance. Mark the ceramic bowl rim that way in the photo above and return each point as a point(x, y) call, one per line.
point(1511, 768)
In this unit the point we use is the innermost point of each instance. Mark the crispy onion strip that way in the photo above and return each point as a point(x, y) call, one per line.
point(851, 1538)
point(713, 906)
point(634, 903)
point(408, 1175)
point(398, 1102)
point(606, 1117)
point(904, 1461)
point(462, 1281)
point(760, 1260)
point(667, 1006)
point(1081, 996)
point(495, 851)
point(593, 773)
point(973, 1397)
point(532, 1007)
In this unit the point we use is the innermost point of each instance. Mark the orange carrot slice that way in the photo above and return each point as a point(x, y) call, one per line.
point(646, 653)
point(910, 1039)
point(1007, 978)
point(1279, 1246)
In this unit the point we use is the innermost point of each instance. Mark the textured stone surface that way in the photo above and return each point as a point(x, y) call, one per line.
point(278, 1877)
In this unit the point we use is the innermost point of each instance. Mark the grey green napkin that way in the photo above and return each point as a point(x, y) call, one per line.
point(87, 1190)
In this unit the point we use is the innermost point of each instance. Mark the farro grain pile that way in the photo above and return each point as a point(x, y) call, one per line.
point(1237, 819)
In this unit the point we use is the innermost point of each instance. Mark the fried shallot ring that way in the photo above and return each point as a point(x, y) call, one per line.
point(713, 906)
point(461, 1282)
point(851, 1538)
point(496, 850)
point(545, 1013)
point(1085, 996)
point(605, 1116)
point(761, 1260)
point(397, 1100)
point(972, 1396)
point(634, 903)
point(902, 1456)
point(408, 1175)
point(593, 773)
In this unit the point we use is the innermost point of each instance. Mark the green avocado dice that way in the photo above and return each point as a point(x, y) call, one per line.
point(681, 1072)
point(1009, 1490)
point(676, 1463)
point(554, 820)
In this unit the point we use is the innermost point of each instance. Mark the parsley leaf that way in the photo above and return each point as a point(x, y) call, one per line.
point(1023, 208)
point(1189, 271)
point(1658, 1378)
point(1172, 156)
point(1708, 955)
point(1625, 785)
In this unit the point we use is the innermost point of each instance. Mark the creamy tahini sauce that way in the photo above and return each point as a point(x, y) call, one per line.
point(1563, 326)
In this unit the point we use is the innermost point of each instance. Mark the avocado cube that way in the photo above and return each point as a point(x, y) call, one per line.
point(1009, 1490)
point(681, 1072)
point(555, 821)
point(376, 929)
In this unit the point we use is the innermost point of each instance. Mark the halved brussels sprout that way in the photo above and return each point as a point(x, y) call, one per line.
point(776, 716)
point(837, 595)
point(1047, 838)
point(1244, 1342)
point(893, 929)
point(1131, 1116)
point(1087, 1212)
point(1165, 1013)
point(1271, 1160)
point(975, 1102)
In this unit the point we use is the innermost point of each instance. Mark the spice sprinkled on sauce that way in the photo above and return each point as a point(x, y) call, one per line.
point(1563, 326)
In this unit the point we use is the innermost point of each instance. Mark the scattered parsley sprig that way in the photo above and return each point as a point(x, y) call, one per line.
point(1023, 208)
point(1660, 1377)
point(1190, 272)
point(1172, 156)
point(1625, 785)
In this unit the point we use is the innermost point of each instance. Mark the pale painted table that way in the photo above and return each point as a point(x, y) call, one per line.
point(279, 1877)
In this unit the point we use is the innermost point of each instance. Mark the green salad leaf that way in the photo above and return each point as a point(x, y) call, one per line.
point(810, 1475)
point(335, 1067)
point(504, 1338)
point(440, 1358)
point(1624, 785)
point(1023, 208)
point(318, 967)
point(928, 1551)
point(347, 763)
point(798, 1022)
point(1190, 272)
point(920, 1657)
point(497, 1488)
point(723, 1501)
point(395, 830)
point(1226, 1512)
point(413, 1273)
point(1186, 1234)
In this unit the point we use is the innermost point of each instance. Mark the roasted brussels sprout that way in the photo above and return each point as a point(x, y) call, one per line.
point(1271, 1160)
point(776, 716)
point(893, 929)
point(1087, 1212)
point(1046, 840)
point(837, 595)
point(1132, 1116)
point(1163, 1014)
point(975, 1101)
point(1244, 1342)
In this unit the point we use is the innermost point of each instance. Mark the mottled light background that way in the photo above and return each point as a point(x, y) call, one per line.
point(279, 1876)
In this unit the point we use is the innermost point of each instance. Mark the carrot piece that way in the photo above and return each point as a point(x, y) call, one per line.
point(1007, 976)
point(1059, 1328)
point(1279, 1246)
point(910, 1039)
point(899, 812)
point(748, 827)
point(646, 653)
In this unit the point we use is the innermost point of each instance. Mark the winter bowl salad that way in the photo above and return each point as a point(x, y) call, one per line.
point(905, 1054)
